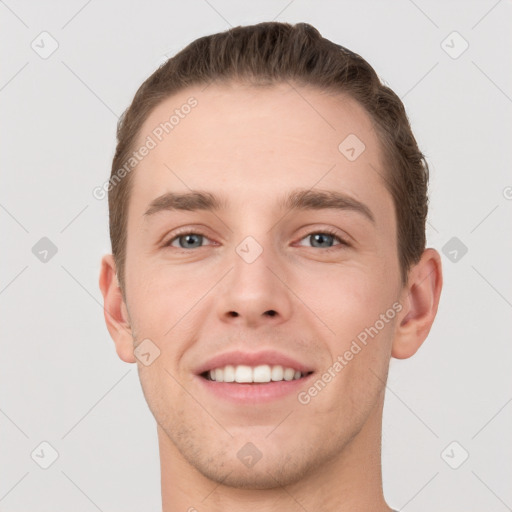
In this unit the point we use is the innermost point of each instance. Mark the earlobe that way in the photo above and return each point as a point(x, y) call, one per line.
point(420, 300)
point(115, 310)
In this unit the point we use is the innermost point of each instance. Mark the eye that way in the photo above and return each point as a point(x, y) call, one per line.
point(186, 240)
point(319, 239)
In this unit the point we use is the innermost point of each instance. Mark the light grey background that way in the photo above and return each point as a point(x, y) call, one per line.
point(60, 378)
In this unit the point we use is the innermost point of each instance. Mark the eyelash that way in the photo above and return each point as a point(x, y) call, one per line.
point(326, 231)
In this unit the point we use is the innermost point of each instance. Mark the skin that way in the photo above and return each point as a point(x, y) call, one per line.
point(252, 145)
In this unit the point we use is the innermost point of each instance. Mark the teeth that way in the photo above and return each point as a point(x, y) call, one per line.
point(247, 374)
point(277, 373)
point(261, 373)
point(242, 373)
point(229, 374)
point(289, 373)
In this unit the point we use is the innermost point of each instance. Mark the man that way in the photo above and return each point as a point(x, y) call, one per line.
point(267, 216)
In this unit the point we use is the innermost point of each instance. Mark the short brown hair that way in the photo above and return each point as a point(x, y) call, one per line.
point(270, 53)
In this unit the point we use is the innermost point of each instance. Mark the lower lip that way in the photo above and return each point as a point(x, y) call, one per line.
point(241, 393)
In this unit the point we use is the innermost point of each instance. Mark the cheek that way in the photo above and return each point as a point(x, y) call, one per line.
point(357, 306)
point(347, 297)
point(160, 294)
point(165, 305)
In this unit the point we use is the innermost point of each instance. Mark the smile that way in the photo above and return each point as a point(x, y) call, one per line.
point(258, 374)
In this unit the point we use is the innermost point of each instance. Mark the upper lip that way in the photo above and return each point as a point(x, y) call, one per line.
point(270, 357)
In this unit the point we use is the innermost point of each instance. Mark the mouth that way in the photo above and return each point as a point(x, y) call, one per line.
point(261, 374)
point(249, 378)
point(243, 386)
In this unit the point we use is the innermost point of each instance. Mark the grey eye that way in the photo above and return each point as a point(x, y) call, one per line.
point(190, 240)
point(321, 239)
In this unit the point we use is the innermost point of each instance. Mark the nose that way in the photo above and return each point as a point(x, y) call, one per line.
point(255, 292)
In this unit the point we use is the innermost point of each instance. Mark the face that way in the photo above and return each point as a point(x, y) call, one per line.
point(312, 285)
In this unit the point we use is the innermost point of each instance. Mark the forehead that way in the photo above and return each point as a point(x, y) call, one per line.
point(278, 114)
point(252, 143)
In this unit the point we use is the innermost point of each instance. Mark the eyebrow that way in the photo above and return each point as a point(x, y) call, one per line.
point(298, 199)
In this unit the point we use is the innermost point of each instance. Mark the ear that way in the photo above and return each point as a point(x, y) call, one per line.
point(420, 299)
point(115, 310)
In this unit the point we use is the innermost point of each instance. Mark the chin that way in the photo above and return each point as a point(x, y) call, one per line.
point(262, 478)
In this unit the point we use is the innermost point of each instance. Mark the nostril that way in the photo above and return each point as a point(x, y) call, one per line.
point(271, 313)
